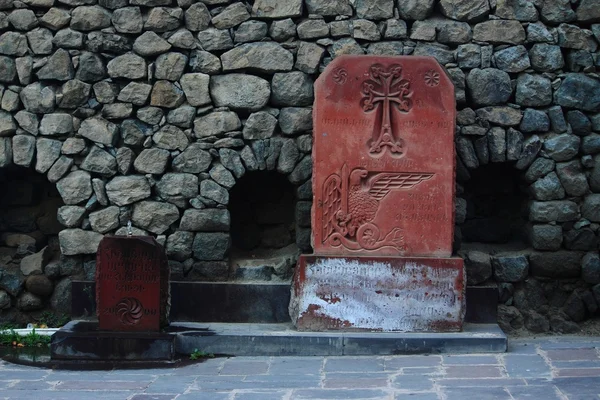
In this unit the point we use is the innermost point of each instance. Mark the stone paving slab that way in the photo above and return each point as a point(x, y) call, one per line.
point(491, 393)
point(145, 396)
point(573, 354)
point(471, 360)
point(550, 369)
point(260, 395)
point(417, 396)
point(413, 383)
point(422, 371)
point(296, 366)
point(474, 371)
point(577, 372)
point(395, 363)
point(13, 394)
point(526, 366)
point(353, 364)
point(532, 392)
point(576, 364)
point(206, 396)
point(356, 380)
point(475, 383)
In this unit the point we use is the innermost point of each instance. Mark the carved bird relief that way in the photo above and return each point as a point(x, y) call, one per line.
point(351, 201)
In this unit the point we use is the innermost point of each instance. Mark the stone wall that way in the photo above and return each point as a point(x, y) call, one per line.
point(150, 110)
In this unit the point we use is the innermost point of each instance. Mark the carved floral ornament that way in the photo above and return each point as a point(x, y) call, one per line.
point(129, 310)
point(340, 75)
point(432, 78)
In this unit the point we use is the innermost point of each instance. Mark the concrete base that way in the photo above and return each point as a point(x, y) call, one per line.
point(83, 341)
point(285, 340)
point(387, 294)
point(80, 345)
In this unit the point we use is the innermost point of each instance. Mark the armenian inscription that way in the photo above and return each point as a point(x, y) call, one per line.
point(131, 284)
point(401, 294)
point(382, 139)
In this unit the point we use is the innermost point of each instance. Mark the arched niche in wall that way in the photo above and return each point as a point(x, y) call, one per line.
point(264, 216)
point(29, 249)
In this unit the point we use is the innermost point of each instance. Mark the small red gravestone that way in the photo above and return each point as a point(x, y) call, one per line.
point(132, 284)
point(383, 206)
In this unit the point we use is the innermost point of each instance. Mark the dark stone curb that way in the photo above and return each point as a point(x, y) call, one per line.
point(284, 340)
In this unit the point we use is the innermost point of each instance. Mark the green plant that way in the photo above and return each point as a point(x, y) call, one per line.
point(52, 320)
point(198, 354)
point(8, 338)
point(32, 339)
point(8, 326)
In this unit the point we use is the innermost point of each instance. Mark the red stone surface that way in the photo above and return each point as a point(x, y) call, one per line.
point(132, 284)
point(383, 158)
point(407, 294)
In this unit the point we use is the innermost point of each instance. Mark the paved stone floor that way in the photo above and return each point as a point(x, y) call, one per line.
point(548, 369)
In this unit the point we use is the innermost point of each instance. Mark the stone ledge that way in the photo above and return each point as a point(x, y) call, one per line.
point(82, 340)
point(284, 340)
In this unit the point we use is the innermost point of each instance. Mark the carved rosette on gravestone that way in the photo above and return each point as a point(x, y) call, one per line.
point(383, 207)
point(132, 284)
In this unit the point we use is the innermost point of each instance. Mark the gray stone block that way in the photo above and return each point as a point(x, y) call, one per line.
point(510, 268)
point(211, 246)
point(546, 237)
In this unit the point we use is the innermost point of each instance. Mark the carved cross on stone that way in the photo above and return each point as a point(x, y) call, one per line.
point(385, 87)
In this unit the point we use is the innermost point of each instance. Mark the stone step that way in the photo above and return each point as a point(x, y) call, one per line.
point(255, 302)
point(80, 345)
point(284, 340)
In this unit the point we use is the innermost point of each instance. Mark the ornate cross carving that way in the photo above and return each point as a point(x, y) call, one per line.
point(387, 88)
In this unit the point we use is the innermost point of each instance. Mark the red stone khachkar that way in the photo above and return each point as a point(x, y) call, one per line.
point(132, 284)
point(383, 206)
point(383, 158)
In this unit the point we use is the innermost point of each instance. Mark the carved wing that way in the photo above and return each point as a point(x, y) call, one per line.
point(332, 203)
point(381, 184)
